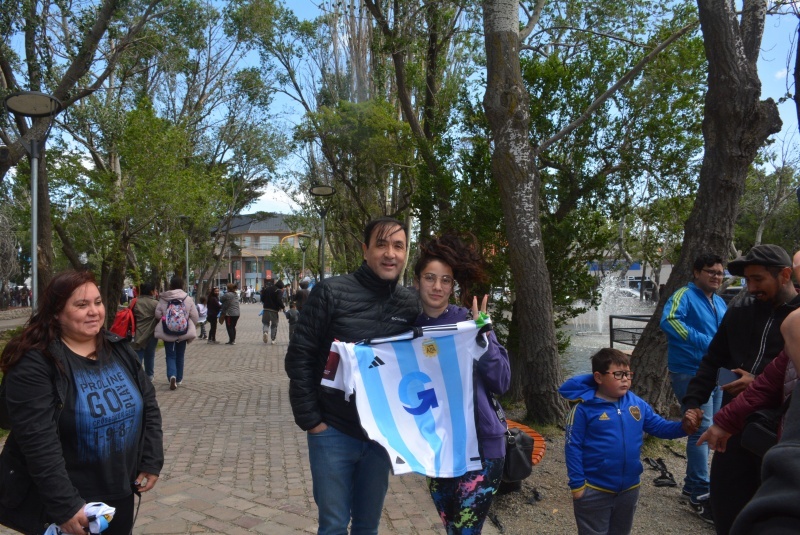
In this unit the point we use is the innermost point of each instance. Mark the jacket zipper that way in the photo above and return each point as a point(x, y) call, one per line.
point(624, 448)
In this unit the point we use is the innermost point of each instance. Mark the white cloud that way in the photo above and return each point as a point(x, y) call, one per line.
point(781, 74)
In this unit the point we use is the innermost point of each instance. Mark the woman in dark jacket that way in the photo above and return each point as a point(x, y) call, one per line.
point(230, 310)
point(85, 424)
point(214, 307)
point(463, 502)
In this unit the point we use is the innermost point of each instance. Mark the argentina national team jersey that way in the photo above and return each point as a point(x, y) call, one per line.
point(414, 395)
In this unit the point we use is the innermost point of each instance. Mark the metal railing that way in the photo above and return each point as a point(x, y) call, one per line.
point(626, 335)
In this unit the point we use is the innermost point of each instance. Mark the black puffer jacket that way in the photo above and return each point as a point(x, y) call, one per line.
point(749, 337)
point(347, 308)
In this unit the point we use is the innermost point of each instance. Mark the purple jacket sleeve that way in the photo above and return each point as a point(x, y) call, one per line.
point(494, 367)
point(766, 392)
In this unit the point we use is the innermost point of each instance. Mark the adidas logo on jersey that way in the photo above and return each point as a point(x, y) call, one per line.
point(376, 362)
point(604, 416)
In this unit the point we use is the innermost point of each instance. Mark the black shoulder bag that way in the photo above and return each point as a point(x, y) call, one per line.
point(519, 449)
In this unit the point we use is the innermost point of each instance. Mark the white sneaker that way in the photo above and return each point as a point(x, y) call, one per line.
point(265, 337)
point(273, 342)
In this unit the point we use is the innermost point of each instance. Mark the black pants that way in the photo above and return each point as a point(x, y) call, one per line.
point(122, 523)
point(230, 326)
point(735, 478)
point(212, 328)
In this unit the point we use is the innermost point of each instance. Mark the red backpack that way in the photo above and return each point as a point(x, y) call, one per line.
point(124, 324)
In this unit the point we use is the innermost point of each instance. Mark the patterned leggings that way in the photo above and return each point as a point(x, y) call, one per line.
point(463, 502)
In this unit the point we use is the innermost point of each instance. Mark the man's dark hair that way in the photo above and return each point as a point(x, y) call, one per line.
point(381, 227)
point(706, 260)
point(146, 288)
point(603, 359)
point(176, 283)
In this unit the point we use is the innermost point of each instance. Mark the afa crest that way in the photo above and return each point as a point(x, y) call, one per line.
point(635, 412)
point(429, 348)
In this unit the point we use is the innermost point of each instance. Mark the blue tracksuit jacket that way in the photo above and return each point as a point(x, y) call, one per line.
point(690, 323)
point(604, 439)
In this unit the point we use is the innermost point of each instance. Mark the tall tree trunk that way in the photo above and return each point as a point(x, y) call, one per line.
point(736, 125)
point(514, 169)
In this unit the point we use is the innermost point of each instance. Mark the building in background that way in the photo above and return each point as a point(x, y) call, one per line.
point(248, 260)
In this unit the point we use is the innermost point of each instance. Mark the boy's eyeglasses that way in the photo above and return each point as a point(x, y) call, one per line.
point(430, 278)
point(620, 374)
point(712, 273)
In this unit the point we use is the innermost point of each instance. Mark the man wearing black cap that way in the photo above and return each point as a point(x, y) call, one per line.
point(748, 339)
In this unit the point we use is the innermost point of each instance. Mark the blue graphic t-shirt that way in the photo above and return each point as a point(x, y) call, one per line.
point(100, 428)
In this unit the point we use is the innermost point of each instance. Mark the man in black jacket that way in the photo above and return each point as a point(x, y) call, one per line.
point(272, 300)
point(350, 472)
point(747, 340)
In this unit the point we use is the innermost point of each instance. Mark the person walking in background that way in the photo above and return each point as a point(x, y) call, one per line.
point(272, 301)
point(292, 315)
point(178, 315)
point(144, 341)
point(230, 313)
point(690, 320)
point(72, 439)
point(463, 502)
point(350, 473)
point(214, 308)
point(748, 339)
point(202, 312)
point(301, 296)
point(604, 436)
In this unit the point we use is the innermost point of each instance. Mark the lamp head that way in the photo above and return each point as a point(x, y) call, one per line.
point(32, 104)
point(321, 190)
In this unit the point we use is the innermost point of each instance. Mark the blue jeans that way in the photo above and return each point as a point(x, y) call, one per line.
point(350, 479)
point(696, 481)
point(147, 357)
point(174, 352)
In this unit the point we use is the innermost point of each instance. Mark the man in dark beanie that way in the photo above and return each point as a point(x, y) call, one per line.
point(747, 340)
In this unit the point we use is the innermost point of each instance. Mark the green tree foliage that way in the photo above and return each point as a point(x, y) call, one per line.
point(768, 209)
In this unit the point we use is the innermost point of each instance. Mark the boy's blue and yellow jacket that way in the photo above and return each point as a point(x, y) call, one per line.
point(604, 438)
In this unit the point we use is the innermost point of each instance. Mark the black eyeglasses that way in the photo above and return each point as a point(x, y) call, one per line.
point(431, 278)
point(620, 374)
point(712, 273)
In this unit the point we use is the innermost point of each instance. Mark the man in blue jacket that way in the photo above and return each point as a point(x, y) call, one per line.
point(690, 320)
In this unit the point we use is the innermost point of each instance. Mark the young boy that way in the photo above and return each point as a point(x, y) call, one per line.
point(604, 441)
point(292, 315)
point(202, 312)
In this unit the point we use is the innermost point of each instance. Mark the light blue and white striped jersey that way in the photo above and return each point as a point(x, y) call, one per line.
point(414, 395)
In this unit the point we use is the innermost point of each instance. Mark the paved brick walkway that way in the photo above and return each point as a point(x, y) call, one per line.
point(235, 462)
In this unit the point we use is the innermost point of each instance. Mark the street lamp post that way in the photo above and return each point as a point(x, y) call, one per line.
point(33, 104)
point(187, 264)
point(303, 247)
point(322, 190)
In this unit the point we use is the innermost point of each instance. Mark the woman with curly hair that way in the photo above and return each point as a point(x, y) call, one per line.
point(463, 502)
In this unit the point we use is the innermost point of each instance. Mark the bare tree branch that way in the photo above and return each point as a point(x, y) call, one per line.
point(614, 88)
